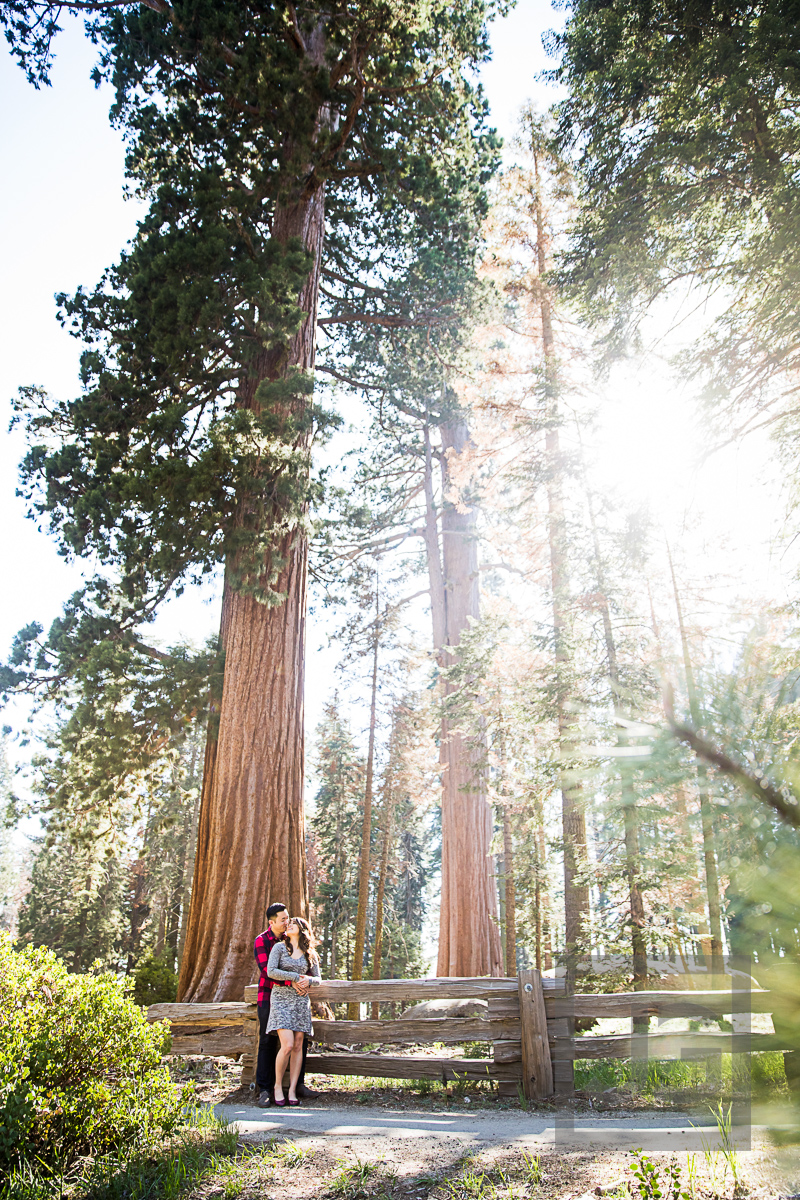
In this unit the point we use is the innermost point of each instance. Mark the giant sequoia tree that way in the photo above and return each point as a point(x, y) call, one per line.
point(286, 153)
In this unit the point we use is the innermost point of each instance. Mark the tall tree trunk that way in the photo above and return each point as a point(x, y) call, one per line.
point(469, 941)
point(354, 1010)
point(573, 818)
point(250, 846)
point(694, 898)
point(706, 808)
point(80, 946)
point(140, 910)
point(188, 874)
point(511, 900)
point(544, 950)
point(633, 864)
point(162, 925)
point(377, 945)
point(500, 876)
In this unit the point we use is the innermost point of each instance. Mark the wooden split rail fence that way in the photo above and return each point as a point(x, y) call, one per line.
point(529, 1022)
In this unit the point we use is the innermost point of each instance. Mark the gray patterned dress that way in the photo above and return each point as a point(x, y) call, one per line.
point(288, 1009)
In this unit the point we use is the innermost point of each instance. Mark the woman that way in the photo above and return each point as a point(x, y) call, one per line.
point(292, 959)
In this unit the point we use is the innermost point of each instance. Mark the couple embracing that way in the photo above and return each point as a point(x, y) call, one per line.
point(289, 968)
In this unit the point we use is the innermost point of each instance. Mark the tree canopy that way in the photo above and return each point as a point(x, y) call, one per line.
point(682, 120)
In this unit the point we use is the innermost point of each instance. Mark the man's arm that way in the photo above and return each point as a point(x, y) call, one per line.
point(261, 953)
point(262, 950)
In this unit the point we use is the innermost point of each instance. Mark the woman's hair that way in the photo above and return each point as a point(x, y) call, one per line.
point(306, 940)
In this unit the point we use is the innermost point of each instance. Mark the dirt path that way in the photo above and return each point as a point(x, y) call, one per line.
point(654, 1132)
point(381, 1153)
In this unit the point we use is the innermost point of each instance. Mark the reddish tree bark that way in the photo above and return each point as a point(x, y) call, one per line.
point(469, 938)
point(250, 845)
point(573, 817)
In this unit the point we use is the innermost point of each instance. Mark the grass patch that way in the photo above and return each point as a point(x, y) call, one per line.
point(289, 1154)
point(653, 1077)
point(426, 1087)
point(362, 1180)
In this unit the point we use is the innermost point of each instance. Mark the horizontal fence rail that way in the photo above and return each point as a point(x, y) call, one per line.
point(527, 1021)
point(375, 990)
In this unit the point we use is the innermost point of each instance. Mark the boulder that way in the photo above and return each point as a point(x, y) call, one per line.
point(447, 1008)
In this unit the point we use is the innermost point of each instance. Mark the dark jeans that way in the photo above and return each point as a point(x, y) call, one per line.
point(268, 1047)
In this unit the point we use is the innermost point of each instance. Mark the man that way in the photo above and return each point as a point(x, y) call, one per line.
point(278, 919)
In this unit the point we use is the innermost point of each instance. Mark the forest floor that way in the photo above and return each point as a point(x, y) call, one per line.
point(361, 1140)
point(307, 1167)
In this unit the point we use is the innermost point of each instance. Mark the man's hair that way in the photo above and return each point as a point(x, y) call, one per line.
point(274, 909)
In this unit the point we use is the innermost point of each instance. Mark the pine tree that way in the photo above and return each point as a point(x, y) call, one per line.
point(76, 905)
point(113, 880)
point(527, 217)
point(335, 833)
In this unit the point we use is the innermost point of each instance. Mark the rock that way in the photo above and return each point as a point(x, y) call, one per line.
point(447, 1008)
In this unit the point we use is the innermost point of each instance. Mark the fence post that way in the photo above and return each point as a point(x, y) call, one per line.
point(537, 1070)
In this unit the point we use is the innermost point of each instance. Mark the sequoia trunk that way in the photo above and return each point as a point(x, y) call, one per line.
point(250, 846)
point(573, 817)
point(469, 940)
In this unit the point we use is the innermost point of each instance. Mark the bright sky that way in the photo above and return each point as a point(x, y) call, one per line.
point(63, 219)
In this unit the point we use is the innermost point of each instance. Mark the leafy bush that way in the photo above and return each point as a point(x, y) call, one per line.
point(154, 981)
point(80, 1068)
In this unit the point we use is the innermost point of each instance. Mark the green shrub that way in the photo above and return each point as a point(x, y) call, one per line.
point(80, 1068)
point(154, 981)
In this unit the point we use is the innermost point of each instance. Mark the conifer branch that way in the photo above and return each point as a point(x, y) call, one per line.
point(356, 383)
point(363, 287)
point(150, 651)
point(759, 787)
point(386, 322)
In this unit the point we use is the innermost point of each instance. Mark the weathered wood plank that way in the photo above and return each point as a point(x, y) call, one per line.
point(506, 1052)
point(557, 1028)
point(537, 1071)
point(335, 990)
point(390, 1067)
point(450, 1030)
point(665, 1004)
point(221, 1043)
point(503, 1006)
point(663, 1045)
point(232, 1012)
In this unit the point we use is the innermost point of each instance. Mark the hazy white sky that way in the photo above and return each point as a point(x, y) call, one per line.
point(63, 219)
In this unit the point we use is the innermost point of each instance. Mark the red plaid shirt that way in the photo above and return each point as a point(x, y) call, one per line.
point(263, 944)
